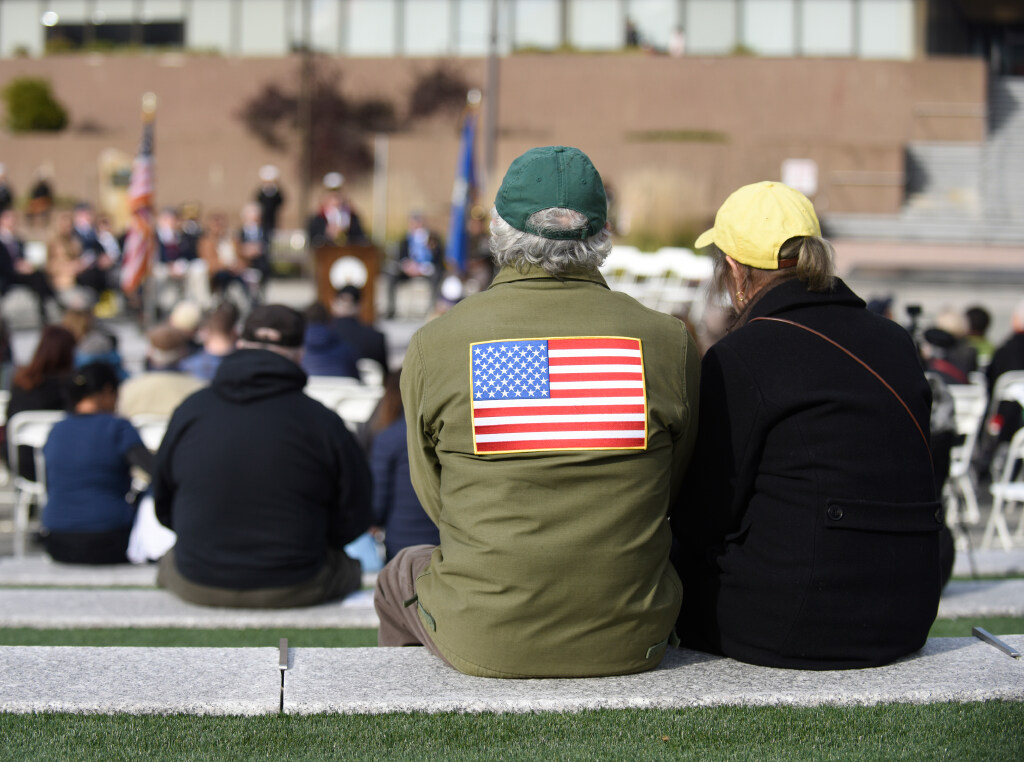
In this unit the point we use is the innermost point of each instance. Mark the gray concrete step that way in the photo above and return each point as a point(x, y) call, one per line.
point(65, 608)
point(248, 681)
point(59, 608)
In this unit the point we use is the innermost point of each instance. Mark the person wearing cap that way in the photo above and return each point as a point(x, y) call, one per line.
point(263, 485)
point(550, 421)
point(160, 389)
point(808, 524)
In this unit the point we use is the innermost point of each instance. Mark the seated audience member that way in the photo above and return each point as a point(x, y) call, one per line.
point(396, 509)
point(63, 252)
point(937, 350)
point(41, 385)
point(161, 389)
point(326, 353)
point(95, 343)
point(95, 265)
point(89, 456)
point(366, 340)
point(553, 559)
point(808, 522)
point(253, 250)
point(263, 485)
point(960, 354)
point(217, 249)
point(186, 316)
point(219, 332)
point(978, 320)
point(420, 255)
point(16, 270)
point(1001, 427)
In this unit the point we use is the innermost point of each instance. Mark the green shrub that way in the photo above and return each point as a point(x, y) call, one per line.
point(31, 106)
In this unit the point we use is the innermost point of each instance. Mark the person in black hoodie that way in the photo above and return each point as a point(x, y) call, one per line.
point(263, 485)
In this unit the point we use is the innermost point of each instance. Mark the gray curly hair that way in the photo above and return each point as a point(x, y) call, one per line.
point(517, 249)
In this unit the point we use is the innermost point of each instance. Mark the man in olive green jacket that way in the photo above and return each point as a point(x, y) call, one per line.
point(550, 421)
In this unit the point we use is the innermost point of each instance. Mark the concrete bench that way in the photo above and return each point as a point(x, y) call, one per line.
point(42, 571)
point(65, 609)
point(78, 608)
point(248, 681)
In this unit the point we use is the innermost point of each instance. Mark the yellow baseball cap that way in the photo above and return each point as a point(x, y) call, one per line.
point(757, 219)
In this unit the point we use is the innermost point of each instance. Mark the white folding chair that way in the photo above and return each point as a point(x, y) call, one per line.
point(1007, 492)
point(1009, 387)
point(30, 428)
point(686, 276)
point(970, 401)
point(357, 407)
point(618, 267)
point(5, 398)
point(151, 429)
point(370, 371)
point(330, 390)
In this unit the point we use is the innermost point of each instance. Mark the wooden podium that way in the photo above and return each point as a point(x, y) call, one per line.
point(368, 255)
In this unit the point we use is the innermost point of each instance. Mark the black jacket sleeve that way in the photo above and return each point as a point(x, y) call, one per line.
point(352, 515)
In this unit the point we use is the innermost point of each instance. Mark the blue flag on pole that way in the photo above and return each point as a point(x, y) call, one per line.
point(457, 250)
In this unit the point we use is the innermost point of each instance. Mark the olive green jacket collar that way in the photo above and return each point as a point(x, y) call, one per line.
point(531, 272)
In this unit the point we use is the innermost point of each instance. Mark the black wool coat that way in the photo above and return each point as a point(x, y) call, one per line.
point(808, 524)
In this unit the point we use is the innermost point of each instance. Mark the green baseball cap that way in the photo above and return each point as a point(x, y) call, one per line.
point(553, 176)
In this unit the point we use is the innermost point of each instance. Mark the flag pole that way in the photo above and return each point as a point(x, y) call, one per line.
point(149, 294)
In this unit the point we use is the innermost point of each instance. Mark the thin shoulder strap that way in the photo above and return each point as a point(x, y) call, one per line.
point(867, 367)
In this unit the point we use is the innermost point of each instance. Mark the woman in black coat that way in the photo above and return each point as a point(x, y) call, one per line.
point(808, 524)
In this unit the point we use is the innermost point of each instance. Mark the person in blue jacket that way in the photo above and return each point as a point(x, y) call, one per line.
point(395, 506)
point(89, 456)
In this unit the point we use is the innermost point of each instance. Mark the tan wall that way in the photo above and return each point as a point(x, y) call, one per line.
point(853, 117)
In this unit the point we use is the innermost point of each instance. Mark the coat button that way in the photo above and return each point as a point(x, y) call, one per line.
point(835, 512)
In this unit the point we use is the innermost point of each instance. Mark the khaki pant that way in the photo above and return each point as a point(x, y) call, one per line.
point(340, 576)
point(400, 624)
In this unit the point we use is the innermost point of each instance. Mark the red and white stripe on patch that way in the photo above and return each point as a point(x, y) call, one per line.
point(585, 393)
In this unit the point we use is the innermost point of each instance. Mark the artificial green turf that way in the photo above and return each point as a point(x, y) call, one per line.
point(961, 628)
point(177, 637)
point(337, 638)
point(991, 731)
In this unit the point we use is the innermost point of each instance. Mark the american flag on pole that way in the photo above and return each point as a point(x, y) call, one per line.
point(140, 241)
point(585, 393)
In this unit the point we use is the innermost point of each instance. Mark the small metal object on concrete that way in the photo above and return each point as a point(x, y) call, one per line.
point(982, 634)
point(282, 654)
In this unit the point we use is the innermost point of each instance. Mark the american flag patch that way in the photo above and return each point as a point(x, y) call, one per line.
point(558, 394)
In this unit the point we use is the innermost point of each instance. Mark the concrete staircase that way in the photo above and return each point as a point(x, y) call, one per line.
point(1002, 186)
point(959, 192)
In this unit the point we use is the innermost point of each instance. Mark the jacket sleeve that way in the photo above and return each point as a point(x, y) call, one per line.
point(424, 466)
point(163, 482)
point(684, 439)
point(355, 491)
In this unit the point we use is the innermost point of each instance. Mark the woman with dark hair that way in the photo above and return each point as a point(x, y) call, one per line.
point(395, 505)
point(89, 456)
point(808, 524)
point(40, 385)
